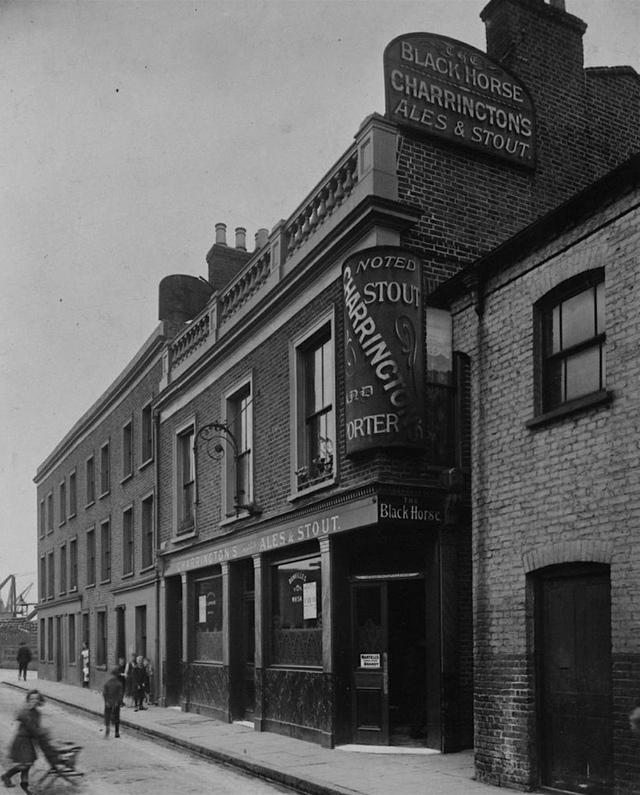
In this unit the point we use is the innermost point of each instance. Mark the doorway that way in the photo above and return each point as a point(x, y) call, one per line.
point(573, 645)
point(389, 661)
point(243, 642)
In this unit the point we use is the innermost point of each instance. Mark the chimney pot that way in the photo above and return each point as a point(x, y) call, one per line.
point(262, 238)
point(241, 238)
point(221, 234)
point(557, 4)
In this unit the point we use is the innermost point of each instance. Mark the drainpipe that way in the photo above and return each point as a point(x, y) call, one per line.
point(159, 673)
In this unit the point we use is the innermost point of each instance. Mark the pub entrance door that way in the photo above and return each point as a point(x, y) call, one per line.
point(243, 642)
point(573, 643)
point(389, 660)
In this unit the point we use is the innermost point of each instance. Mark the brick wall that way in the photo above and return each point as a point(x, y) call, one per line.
point(559, 493)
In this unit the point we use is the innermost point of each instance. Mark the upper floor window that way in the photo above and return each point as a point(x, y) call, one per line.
point(185, 480)
point(90, 471)
point(105, 469)
point(315, 394)
point(91, 557)
point(127, 450)
point(51, 577)
point(105, 551)
point(42, 519)
point(146, 433)
point(147, 531)
point(50, 512)
point(572, 324)
point(63, 568)
point(239, 471)
point(62, 507)
point(73, 494)
point(127, 541)
point(73, 564)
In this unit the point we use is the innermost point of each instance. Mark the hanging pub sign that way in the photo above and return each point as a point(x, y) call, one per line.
point(384, 349)
point(447, 89)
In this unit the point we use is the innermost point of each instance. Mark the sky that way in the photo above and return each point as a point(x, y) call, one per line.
point(127, 131)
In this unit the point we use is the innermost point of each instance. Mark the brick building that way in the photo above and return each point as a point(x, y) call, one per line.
point(96, 529)
point(299, 517)
point(556, 495)
point(313, 534)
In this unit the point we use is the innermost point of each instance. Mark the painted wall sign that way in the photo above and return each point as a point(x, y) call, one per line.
point(395, 509)
point(359, 513)
point(370, 661)
point(384, 349)
point(447, 89)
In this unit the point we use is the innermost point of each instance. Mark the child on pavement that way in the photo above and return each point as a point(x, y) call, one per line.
point(112, 694)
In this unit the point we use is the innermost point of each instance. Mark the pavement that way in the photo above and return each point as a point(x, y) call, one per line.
point(303, 766)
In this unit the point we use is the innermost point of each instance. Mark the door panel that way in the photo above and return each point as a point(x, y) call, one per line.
point(370, 665)
point(574, 638)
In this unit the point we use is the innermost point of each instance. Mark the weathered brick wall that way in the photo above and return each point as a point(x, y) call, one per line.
point(556, 493)
point(584, 128)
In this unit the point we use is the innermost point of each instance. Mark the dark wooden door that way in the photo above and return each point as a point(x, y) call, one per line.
point(370, 707)
point(574, 655)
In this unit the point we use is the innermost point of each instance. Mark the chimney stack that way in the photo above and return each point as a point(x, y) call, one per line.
point(241, 238)
point(262, 238)
point(221, 234)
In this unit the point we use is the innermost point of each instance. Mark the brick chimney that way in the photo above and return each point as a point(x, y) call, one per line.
point(225, 262)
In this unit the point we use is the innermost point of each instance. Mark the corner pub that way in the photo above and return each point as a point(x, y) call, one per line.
point(312, 419)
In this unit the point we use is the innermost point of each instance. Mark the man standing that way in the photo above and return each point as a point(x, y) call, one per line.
point(140, 683)
point(23, 658)
point(112, 693)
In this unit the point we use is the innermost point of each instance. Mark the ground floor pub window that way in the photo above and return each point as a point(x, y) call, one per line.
point(297, 612)
point(208, 613)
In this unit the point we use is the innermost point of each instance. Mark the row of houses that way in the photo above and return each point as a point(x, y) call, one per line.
point(373, 481)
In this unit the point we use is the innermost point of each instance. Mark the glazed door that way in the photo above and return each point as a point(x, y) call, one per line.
point(574, 654)
point(248, 656)
point(370, 707)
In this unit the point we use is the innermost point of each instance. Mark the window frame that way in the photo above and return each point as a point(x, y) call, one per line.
point(73, 493)
point(62, 502)
point(147, 533)
point(127, 450)
point(91, 557)
point(308, 474)
point(90, 480)
point(50, 512)
point(42, 518)
point(546, 407)
point(73, 564)
point(51, 574)
point(128, 541)
point(239, 419)
point(105, 550)
point(102, 637)
point(105, 469)
point(184, 521)
point(63, 568)
point(146, 435)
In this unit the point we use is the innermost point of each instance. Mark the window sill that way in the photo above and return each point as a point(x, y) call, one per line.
point(187, 535)
point(89, 504)
point(601, 398)
point(128, 575)
point(126, 478)
point(145, 464)
point(147, 569)
point(323, 484)
point(72, 516)
point(62, 523)
point(105, 494)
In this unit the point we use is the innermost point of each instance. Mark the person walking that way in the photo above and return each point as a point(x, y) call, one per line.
point(23, 659)
point(23, 748)
point(140, 682)
point(84, 658)
point(128, 678)
point(112, 693)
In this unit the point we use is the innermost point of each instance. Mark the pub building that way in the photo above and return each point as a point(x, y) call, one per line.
point(291, 541)
point(314, 417)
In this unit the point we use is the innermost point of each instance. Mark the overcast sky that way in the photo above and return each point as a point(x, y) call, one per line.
point(128, 130)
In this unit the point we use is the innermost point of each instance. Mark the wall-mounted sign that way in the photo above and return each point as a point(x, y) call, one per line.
point(370, 661)
point(450, 90)
point(384, 349)
point(394, 509)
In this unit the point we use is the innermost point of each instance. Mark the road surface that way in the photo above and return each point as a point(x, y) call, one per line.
point(131, 765)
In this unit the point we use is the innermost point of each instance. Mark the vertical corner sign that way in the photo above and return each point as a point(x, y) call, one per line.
point(384, 349)
point(449, 90)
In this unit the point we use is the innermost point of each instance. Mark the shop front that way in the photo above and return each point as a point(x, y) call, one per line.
point(328, 626)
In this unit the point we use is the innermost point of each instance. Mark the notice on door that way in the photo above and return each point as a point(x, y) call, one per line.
point(310, 600)
point(370, 661)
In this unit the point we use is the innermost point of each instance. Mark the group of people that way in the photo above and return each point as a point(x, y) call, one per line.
point(131, 680)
